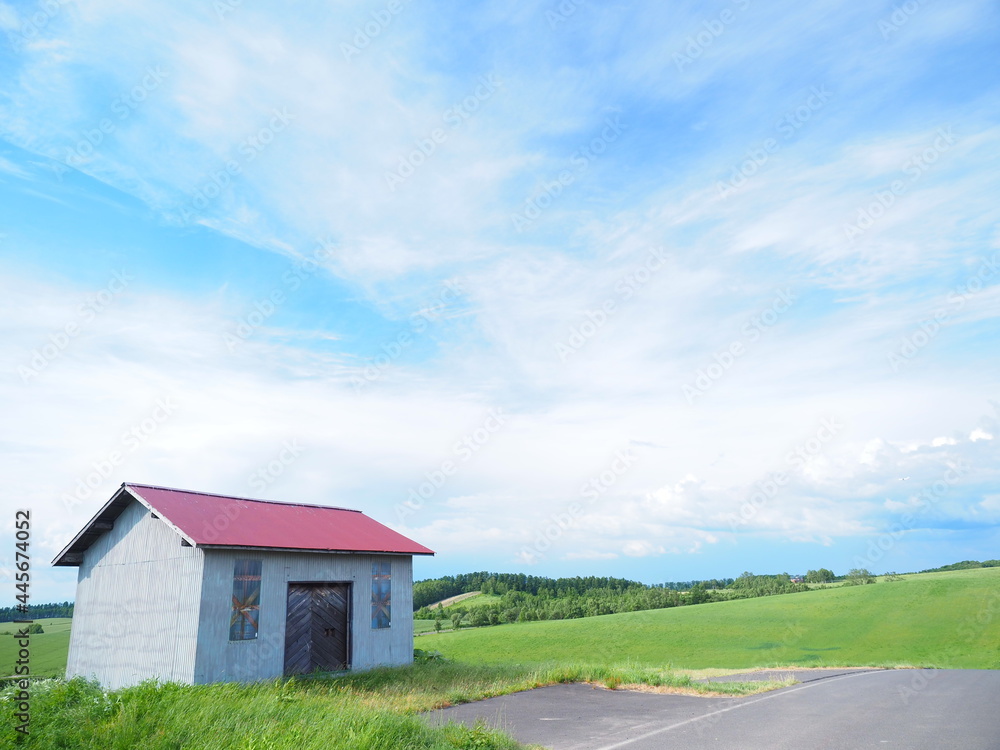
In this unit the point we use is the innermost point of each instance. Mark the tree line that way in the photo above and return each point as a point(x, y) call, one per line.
point(964, 565)
point(429, 591)
point(528, 598)
point(36, 611)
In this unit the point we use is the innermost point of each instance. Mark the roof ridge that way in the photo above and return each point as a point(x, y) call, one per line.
point(237, 497)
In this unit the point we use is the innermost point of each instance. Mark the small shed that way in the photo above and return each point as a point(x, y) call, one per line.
point(192, 587)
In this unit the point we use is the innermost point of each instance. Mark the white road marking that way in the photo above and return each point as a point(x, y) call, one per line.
point(787, 691)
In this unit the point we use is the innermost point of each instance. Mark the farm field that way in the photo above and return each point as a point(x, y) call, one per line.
point(949, 619)
point(48, 650)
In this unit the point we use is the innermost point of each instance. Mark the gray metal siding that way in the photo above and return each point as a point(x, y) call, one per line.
point(137, 601)
point(218, 659)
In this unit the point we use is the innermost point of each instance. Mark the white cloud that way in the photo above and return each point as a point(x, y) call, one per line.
point(589, 555)
point(10, 168)
point(569, 280)
point(9, 19)
point(642, 548)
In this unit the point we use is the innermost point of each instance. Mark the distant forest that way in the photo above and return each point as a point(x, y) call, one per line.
point(524, 597)
point(36, 612)
point(521, 598)
point(434, 590)
point(964, 565)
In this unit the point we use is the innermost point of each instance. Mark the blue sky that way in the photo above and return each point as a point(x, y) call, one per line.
point(655, 290)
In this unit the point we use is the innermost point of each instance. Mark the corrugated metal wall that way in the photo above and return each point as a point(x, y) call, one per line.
point(219, 659)
point(137, 602)
point(148, 607)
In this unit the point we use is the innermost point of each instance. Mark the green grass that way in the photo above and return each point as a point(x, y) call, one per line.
point(931, 619)
point(936, 619)
point(479, 600)
point(421, 627)
point(371, 710)
point(48, 650)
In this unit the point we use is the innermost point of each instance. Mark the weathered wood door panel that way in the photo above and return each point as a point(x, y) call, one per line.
point(317, 632)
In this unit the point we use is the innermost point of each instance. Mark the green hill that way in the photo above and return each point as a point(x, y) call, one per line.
point(48, 650)
point(946, 619)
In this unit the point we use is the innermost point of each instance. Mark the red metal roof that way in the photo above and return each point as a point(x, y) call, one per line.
point(224, 521)
point(241, 522)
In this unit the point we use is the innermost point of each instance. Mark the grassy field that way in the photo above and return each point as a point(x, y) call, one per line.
point(925, 619)
point(947, 619)
point(373, 710)
point(937, 619)
point(48, 650)
point(471, 602)
point(427, 626)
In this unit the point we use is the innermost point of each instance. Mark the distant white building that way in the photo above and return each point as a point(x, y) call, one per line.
point(195, 588)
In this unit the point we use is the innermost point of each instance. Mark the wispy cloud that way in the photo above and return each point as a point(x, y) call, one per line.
point(620, 197)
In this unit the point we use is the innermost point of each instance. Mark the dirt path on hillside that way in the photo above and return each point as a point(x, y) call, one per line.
point(454, 599)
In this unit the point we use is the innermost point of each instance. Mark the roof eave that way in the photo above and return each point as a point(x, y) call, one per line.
point(429, 553)
point(68, 556)
point(58, 559)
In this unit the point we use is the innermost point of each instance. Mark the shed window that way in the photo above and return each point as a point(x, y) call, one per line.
point(381, 594)
point(246, 600)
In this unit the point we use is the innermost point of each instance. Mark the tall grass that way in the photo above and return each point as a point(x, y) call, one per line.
point(283, 716)
point(368, 710)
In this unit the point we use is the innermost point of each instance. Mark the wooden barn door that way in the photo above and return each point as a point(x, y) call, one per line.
point(317, 631)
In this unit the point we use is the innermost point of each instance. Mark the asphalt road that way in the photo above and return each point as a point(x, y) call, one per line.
point(893, 709)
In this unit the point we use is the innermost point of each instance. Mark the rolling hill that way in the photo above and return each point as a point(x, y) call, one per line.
point(948, 619)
